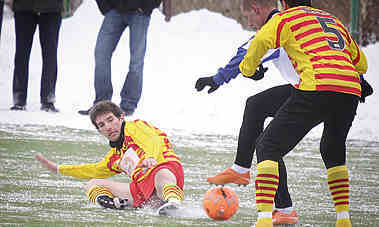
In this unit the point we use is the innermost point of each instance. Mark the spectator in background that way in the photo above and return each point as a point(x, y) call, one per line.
point(47, 15)
point(4, 3)
point(118, 15)
point(1, 15)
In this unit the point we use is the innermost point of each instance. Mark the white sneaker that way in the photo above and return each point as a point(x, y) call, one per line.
point(168, 207)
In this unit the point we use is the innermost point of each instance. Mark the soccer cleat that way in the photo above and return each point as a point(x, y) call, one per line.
point(230, 176)
point(283, 218)
point(167, 208)
point(18, 107)
point(343, 223)
point(49, 107)
point(112, 203)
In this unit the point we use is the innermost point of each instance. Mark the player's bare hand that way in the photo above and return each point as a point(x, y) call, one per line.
point(148, 163)
point(47, 163)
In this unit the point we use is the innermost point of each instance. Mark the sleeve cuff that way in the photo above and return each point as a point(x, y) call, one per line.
point(218, 79)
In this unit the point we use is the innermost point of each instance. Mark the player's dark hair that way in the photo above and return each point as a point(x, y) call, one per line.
point(102, 108)
point(294, 3)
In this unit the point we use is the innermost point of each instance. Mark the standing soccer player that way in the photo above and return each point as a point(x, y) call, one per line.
point(257, 109)
point(329, 63)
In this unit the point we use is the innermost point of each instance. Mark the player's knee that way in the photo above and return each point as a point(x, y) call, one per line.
point(260, 156)
point(259, 148)
point(254, 110)
point(165, 176)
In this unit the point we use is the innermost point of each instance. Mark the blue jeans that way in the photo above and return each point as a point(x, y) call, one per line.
point(113, 26)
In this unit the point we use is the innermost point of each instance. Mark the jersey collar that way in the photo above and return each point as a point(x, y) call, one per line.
point(119, 142)
point(272, 13)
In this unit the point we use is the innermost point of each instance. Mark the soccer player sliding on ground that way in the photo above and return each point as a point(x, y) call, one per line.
point(139, 150)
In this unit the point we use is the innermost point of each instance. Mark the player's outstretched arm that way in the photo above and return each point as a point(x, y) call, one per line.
point(223, 75)
point(53, 167)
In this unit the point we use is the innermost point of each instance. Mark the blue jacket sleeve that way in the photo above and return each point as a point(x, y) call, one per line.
point(231, 70)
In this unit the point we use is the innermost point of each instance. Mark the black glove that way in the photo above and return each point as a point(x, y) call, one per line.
point(259, 73)
point(366, 90)
point(206, 81)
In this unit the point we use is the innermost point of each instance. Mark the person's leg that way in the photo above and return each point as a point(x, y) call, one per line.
point(333, 152)
point(107, 40)
point(25, 26)
point(168, 189)
point(132, 88)
point(257, 110)
point(282, 197)
point(49, 26)
point(166, 186)
point(284, 212)
point(292, 122)
point(1, 15)
point(109, 194)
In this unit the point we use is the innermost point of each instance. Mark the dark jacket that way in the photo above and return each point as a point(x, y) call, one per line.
point(123, 6)
point(38, 6)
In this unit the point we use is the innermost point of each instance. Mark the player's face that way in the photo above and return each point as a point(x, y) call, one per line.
point(110, 126)
point(254, 17)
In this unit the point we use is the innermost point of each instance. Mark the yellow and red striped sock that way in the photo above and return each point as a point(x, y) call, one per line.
point(96, 191)
point(172, 192)
point(266, 184)
point(338, 181)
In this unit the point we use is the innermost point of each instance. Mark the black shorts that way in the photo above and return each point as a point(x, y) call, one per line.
point(302, 112)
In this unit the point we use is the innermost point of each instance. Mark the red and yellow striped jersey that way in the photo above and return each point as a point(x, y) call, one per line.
point(148, 142)
point(320, 48)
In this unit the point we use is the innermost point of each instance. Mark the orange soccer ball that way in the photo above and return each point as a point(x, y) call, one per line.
point(220, 203)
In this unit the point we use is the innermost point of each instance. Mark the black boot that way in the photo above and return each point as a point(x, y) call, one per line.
point(18, 107)
point(85, 112)
point(49, 107)
point(112, 203)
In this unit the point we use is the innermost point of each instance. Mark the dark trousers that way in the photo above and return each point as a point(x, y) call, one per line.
point(257, 109)
point(303, 111)
point(49, 25)
point(1, 15)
